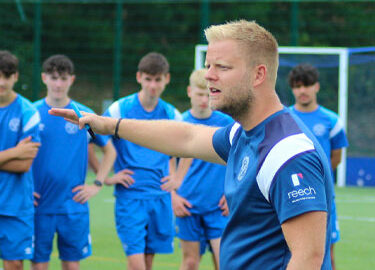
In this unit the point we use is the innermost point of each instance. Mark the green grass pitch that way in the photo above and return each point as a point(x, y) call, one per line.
point(355, 250)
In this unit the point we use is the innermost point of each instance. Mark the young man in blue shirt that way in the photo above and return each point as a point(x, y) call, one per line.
point(200, 196)
point(278, 181)
point(19, 144)
point(323, 123)
point(143, 210)
point(60, 171)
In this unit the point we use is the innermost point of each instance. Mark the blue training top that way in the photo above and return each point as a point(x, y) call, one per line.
point(203, 185)
point(326, 126)
point(18, 121)
point(275, 172)
point(61, 163)
point(149, 166)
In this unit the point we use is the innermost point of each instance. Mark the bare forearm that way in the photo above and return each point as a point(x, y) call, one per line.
point(93, 160)
point(109, 156)
point(170, 137)
point(7, 155)
point(182, 169)
point(335, 158)
point(17, 165)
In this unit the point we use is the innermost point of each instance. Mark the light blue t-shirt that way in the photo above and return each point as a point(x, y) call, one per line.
point(203, 185)
point(61, 163)
point(275, 172)
point(326, 126)
point(18, 120)
point(149, 166)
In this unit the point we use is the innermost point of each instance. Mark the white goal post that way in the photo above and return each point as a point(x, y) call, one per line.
point(343, 54)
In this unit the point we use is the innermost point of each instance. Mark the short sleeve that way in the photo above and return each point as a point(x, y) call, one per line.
point(299, 187)
point(30, 124)
point(221, 141)
point(113, 110)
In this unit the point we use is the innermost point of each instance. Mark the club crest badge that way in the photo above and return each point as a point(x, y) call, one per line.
point(244, 166)
point(319, 130)
point(14, 124)
point(71, 128)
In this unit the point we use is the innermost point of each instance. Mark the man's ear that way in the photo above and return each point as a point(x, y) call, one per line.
point(260, 72)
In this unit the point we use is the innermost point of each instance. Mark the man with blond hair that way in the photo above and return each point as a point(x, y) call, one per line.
point(277, 182)
point(199, 203)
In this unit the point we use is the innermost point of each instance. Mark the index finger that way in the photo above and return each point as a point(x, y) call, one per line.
point(68, 114)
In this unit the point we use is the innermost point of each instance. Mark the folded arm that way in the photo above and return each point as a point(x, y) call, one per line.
point(18, 159)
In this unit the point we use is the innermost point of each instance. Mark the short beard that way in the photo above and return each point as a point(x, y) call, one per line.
point(238, 108)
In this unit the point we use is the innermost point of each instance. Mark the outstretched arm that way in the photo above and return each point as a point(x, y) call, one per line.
point(169, 137)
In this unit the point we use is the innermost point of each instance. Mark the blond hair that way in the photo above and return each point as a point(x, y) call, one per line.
point(197, 78)
point(260, 44)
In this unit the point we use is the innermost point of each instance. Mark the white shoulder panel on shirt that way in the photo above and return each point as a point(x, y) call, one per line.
point(280, 153)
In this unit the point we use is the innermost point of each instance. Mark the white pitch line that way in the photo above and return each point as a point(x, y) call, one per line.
point(355, 199)
point(364, 219)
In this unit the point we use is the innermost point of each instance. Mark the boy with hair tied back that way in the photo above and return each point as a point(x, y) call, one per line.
point(269, 154)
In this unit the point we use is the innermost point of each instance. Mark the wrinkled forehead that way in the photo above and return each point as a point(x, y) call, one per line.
point(224, 50)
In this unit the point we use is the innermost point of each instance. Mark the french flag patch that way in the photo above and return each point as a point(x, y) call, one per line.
point(296, 178)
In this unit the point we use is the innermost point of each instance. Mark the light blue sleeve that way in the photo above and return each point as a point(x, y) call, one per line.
point(337, 136)
point(30, 121)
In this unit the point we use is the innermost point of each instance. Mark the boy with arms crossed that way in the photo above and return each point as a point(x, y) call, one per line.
point(19, 143)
